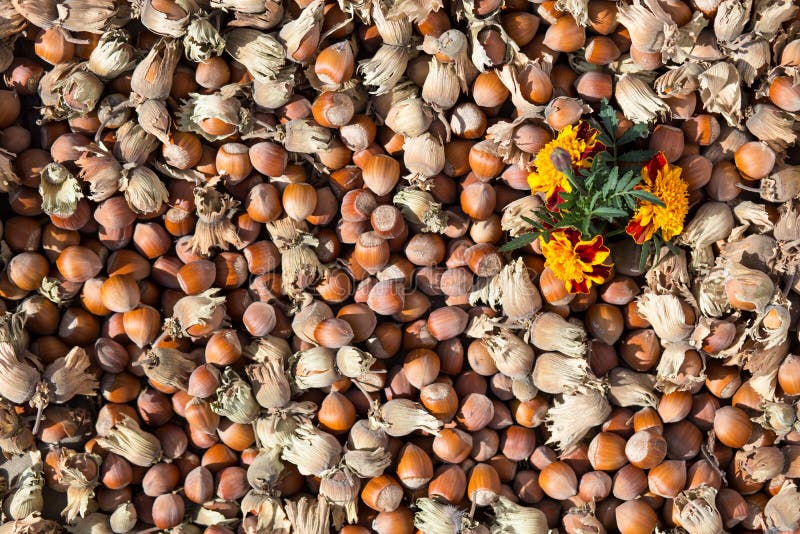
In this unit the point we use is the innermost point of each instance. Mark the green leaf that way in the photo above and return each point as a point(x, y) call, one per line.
point(519, 242)
point(611, 181)
point(629, 180)
point(646, 195)
point(636, 156)
point(609, 213)
point(609, 117)
point(645, 252)
point(638, 131)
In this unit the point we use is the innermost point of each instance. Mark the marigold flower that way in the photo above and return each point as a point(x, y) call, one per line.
point(576, 262)
point(581, 144)
point(663, 181)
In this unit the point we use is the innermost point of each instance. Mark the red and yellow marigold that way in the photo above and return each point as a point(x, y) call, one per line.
point(664, 182)
point(578, 263)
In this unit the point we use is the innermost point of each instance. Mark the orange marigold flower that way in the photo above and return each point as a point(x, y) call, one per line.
point(664, 182)
point(581, 143)
point(576, 262)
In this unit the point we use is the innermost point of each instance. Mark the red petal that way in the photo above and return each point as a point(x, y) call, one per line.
point(589, 252)
point(601, 270)
point(573, 235)
point(657, 163)
point(579, 287)
point(636, 231)
point(554, 201)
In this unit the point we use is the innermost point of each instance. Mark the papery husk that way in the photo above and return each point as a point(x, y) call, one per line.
point(202, 40)
point(648, 23)
point(314, 368)
point(368, 463)
point(18, 379)
point(778, 417)
point(270, 383)
point(154, 118)
point(671, 275)
point(235, 399)
point(697, 510)
point(511, 221)
point(152, 77)
point(385, 68)
point(679, 42)
point(549, 331)
point(678, 81)
point(312, 450)
point(512, 356)
point(729, 140)
point(763, 363)
point(712, 222)
point(555, 373)
point(133, 144)
point(12, 22)
point(670, 375)
point(340, 487)
point(68, 376)
point(769, 16)
point(353, 362)
point(629, 388)
point(214, 228)
point(750, 215)
point(441, 88)
point(502, 136)
point(240, 6)
point(41, 14)
point(196, 310)
point(91, 16)
point(756, 251)
point(403, 90)
point(480, 58)
point(80, 490)
point(123, 518)
point(413, 10)
point(300, 266)
point(60, 190)
point(309, 516)
point(509, 77)
point(424, 155)
point(410, 117)
point(419, 207)
point(128, 440)
point(223, 105)
point(731, 18)
point(771, 125)
point(523, 389)
point(260, 52)
point(161, 23)
point(94, 523)
point(33, 524)
point(750, 54)
point(761, 464)
point(277, 92)
point(571, 417)
point(275, 429)
point(637, 100)
point(782, 185)
point(512, 518)
point(78, 93)
point(306, 27)
point(144, 190)
point(439, 517)
point(401, 417)
point(266, 470)
point(665, 313)
point(306, 319)
point(113, 55)
point(721, 92)
point(26, 492)
point(168, 366)
point(709, 290)
point(510, 291)
point(363, 436)
point(269, 512)
point(782, 511)
point(754, 286)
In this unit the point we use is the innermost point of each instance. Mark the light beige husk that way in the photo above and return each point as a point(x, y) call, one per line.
point(401, 417)
point(128, 440)
point(571, 417)
point(235, 399)
point(60, 190)
point(629, 388)
point(214, 227)
point(168, 366)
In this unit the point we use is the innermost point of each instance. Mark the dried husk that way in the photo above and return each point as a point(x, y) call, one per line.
point(12, 22)
point(410, 117)
point(202, 40)
point(637, 100)
point(368, 463)
point(670, 373)
point(113, 55)
point(309, 516)
point(670, 275)
point(555, 373)
point(123, 518)
point(523, 389)
point(305, 28)
point(18, 379)
point(80, 490)
point(26, 496)
point(441, 88)
point(761, 463)
point(502, 135)
point(512, 356)
point(266, 469)
point(712, 222)
point(510, 291)
point(750, 215)
point(697, 510)
point(68, 377)
point(307, 319)
point(314, 368)
point(300, 266)
point(260, 52)
point(33, 524)
point(41, 14)
point(154, 118)
point(509, 76)
point(60, 190)
point(94, 523)
point(235, 399)
point(751, 54)
point(666, 314)
point(771, 125)
point(550, 332)
point(401, 417)
point(648, 23)
point(678, 81)
point(749, 285)
point(144, 190)
point(196, 310)
point(128, 440)
point(270, 383)
point(152, 77)
point(781, 186)
point(571, 417)
point(214, 227)
point(222, 105)
point(277, 92)
point(629, 388)
point(269, 512)
point(778, 417)
point(134, 145)
point(168, 366)
point(353, 362)
point(385, 68)
point(721, 92)
point(79, 93)
point(769, 16)
point(731, 18)
point(512, 518)
point(162, 23)
point(101, 171)
point(419, 207)
point(91, 16)
point(304, 136)
point(782, 511)
point(438, 517)
point(413, 10)
point(340, 487)
point(511, 221)
point(8, 175)
point(312, 450)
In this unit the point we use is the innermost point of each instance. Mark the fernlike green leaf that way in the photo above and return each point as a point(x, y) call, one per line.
point(611, 181)
point(609, 118)
point(646, 195)
point(609, 213)
point(519, 242)
point(639, 130)
point(636, 156)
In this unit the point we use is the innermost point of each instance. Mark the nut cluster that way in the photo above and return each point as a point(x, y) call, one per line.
point(252, 278)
